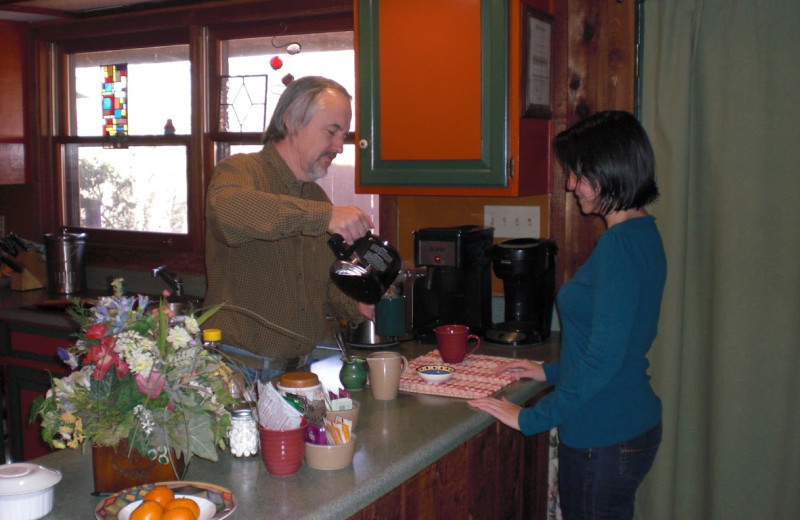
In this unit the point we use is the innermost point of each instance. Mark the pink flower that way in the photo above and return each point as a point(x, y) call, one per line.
point(151, 385)
point(96, 331)
point(104, 357)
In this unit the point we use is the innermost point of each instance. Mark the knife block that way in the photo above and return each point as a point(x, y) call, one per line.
point(33, 274)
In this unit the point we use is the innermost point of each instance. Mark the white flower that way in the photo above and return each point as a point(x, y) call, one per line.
point(191, 325)
point(65, 387)
point(145, 418)
point(137, 351)
point(179, 337)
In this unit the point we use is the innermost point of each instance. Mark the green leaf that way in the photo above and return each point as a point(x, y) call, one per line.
point(210, 312)
point(201, 443)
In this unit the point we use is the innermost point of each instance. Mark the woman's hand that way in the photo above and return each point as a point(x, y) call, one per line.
point(501, 409)
point(524, 368)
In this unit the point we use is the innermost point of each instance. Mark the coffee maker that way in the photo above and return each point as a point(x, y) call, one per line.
point(457, 285)
point(527, 267)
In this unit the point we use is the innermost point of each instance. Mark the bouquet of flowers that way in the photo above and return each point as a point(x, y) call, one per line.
point(141, 374)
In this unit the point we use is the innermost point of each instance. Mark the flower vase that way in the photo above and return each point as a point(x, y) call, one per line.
point(118, 467)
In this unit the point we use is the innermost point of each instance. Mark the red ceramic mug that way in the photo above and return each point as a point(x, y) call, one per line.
point(452, 342)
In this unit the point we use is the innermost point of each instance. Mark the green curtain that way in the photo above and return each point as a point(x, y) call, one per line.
point(721, 102)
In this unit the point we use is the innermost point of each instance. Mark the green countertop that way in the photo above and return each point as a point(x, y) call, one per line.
point(396, 439)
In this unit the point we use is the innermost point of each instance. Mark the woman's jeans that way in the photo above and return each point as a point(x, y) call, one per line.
point(601, 483)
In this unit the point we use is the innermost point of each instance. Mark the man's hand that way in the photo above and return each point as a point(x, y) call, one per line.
point(367, 310)
point(349, 221)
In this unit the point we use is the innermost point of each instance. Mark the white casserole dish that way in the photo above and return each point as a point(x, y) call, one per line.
point(26, 490)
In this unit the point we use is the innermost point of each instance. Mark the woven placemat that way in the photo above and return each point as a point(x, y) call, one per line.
point(474, 377)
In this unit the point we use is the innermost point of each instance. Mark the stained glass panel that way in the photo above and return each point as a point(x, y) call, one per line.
point(115, 105)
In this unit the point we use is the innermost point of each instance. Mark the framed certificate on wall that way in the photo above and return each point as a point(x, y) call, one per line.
point(538, 66)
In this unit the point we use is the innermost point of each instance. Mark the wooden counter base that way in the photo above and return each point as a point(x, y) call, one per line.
point(499, 473)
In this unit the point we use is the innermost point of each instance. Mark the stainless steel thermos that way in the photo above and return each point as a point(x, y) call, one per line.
point(66, 268)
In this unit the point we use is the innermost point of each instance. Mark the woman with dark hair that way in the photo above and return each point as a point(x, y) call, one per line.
point(608, 417)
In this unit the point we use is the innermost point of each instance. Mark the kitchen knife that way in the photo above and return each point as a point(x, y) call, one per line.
point(18, 241)
point(8, 248)
point(15, 266)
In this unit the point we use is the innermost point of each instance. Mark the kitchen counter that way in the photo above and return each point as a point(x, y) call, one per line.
point(396, 440)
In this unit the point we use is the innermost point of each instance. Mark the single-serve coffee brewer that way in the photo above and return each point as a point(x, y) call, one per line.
point(527, 267)
point(457, 285)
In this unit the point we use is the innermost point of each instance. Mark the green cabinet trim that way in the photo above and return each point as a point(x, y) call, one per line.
point(490, 169)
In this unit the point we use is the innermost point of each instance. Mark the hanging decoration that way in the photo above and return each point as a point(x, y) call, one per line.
point(292, 48)
point(115, 105)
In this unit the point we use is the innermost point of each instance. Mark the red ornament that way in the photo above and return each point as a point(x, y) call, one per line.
point(276, 63)
point(287, 79)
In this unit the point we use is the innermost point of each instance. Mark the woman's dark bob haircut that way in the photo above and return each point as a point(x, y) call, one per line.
point(612, 152)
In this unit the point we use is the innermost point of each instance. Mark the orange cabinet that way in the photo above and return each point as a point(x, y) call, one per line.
point(439, 89)
point(12, 102)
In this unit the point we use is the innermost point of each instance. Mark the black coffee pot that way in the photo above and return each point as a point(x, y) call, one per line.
point(365, 270)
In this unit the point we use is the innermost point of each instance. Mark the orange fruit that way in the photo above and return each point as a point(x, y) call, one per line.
point(148, 510)
point(179, 513)
point(161, 494)
point(188, 503)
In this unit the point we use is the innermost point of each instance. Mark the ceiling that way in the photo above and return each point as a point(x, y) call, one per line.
point(43, 10)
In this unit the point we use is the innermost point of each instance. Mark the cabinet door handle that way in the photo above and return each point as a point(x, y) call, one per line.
point(363, 144)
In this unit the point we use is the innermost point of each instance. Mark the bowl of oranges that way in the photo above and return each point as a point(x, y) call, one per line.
point(169, 501)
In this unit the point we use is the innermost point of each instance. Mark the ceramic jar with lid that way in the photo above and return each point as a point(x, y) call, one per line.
point(306, 388)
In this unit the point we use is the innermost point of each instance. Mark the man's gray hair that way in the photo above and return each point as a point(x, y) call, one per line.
point(298, 104)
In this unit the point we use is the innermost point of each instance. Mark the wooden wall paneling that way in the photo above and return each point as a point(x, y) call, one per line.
point(593, 71)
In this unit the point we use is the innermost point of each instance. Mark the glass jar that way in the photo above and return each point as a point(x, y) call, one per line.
point(243, 435)
point(212, 339)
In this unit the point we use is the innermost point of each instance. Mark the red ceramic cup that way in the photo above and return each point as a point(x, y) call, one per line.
point(452, 342)
point(282, 450)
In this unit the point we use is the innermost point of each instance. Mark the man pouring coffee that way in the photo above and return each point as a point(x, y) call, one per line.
point(267, 226)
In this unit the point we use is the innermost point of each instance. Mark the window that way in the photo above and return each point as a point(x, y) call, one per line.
point(148, 191)
point(141, 186)
point(328, 54)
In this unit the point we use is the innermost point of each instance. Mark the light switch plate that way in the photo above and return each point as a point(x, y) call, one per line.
point(512, 221)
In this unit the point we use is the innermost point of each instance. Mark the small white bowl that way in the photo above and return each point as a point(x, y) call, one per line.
point(26, 490)
point(435, 374)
